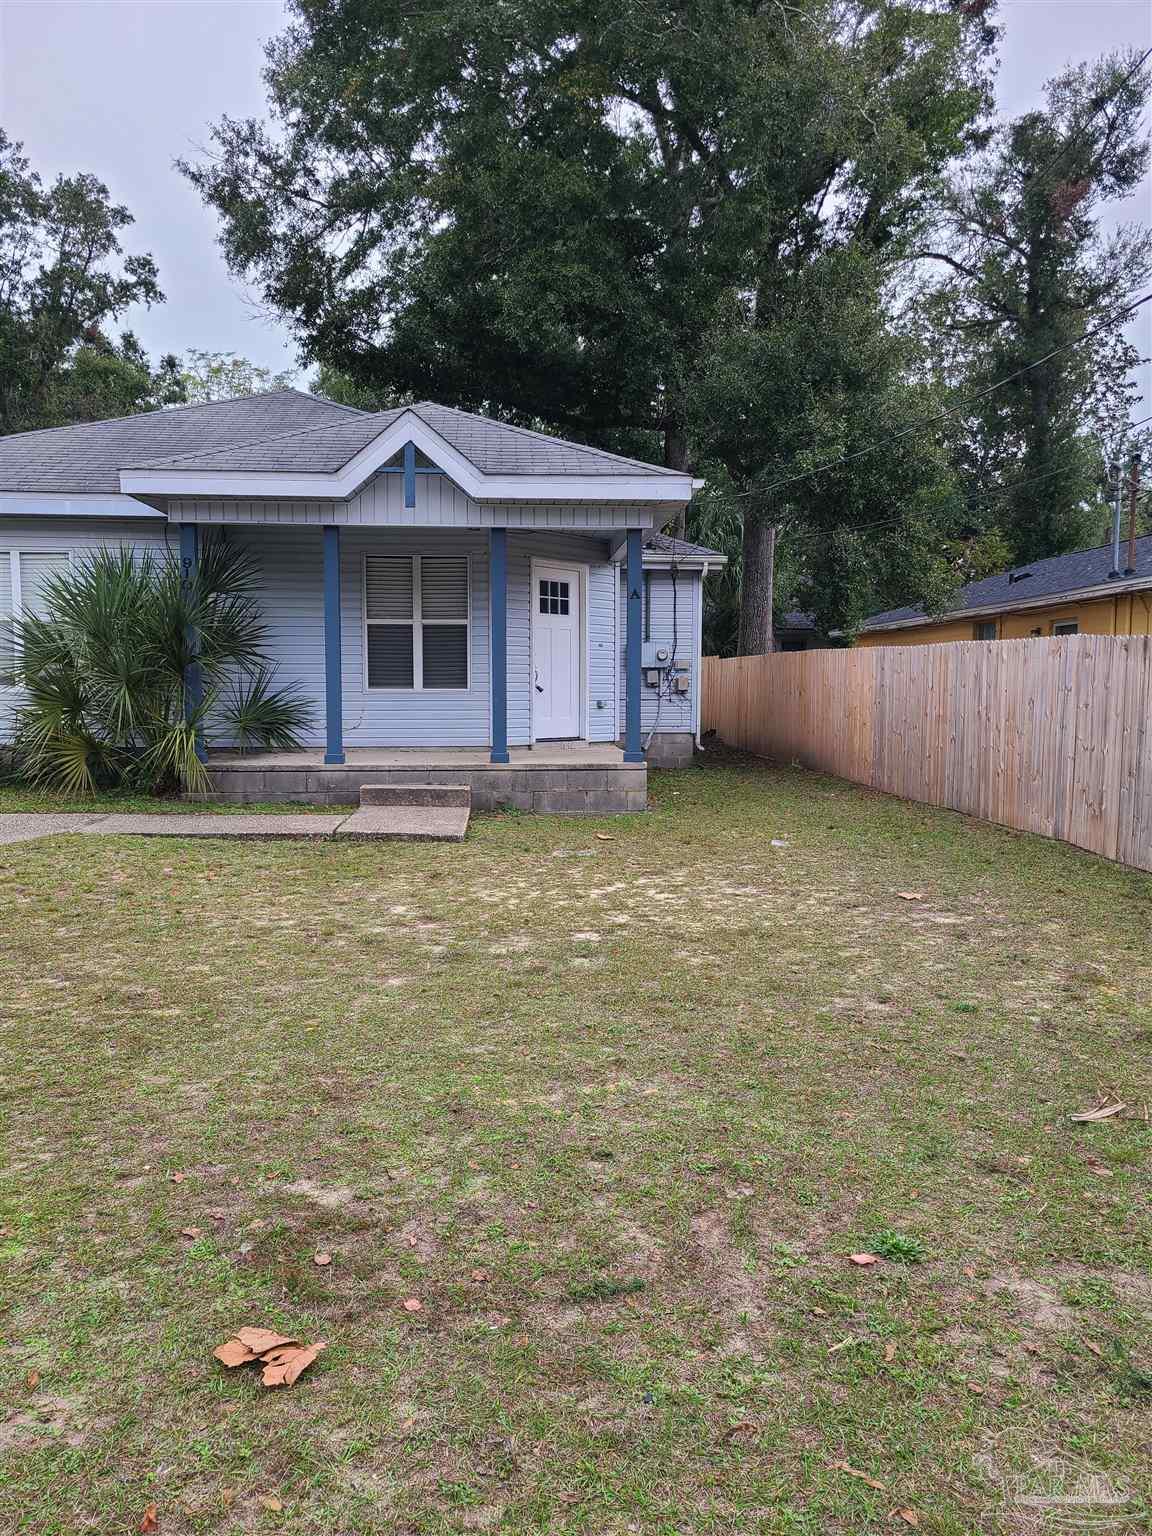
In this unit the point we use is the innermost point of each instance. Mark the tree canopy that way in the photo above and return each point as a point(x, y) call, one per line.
point(684, 230)
point(64, 278)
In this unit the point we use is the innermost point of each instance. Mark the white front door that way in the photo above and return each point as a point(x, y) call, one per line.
point(557, 651)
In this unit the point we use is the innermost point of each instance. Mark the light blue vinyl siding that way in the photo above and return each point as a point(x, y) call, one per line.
point(675, 616)
point(291, 600)
point(73, 536)
point(292, 607)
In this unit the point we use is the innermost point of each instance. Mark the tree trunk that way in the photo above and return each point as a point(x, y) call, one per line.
point(756, 588)
point(676, 457)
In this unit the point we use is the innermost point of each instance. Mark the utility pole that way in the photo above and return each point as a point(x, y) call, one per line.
point(1133, 498)
point(1117, 514)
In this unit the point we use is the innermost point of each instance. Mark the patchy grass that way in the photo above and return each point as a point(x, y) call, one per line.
point(28, 797)
point(616, 1113)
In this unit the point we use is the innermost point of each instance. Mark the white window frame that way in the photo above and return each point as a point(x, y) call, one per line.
point(417, 622)
point(14, 556)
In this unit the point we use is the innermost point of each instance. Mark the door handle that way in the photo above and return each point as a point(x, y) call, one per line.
point(536, 680)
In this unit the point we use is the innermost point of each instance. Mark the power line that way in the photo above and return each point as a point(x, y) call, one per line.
point(954, 410)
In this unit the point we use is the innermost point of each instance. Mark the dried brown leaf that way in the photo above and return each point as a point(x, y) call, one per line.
point(189, 1231)
point(863, 1259)
point(32, 1380)
point(910, 895)
point(1102, 1112)
point(889, 1353)
point(842, 1466)
point(322, 1259)
point(233, 1353)
point(283, 1374)
point(260, 1339)
point(270, 1501)
point(177, 1177)
point(909, 1516)
point(412, 1305)
point(479, 1274)
point(151, 1518)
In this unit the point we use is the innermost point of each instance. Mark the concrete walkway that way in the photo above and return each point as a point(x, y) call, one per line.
point(418, 825)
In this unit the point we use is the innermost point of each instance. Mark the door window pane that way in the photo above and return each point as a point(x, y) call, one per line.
point(553, 596)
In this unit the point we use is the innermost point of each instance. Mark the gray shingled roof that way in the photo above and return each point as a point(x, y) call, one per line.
point(1060, 576)
point(88, 458)
point(492, 446)
point(665, 544)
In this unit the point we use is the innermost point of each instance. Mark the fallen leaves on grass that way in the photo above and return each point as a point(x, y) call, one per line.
point(189, 1231)
point(322, 1259)
point(150, 1521)
point(863, 1259)
point(1107, 1107)
point(910, 895)
point(842, 1466)
point(909, 1516)
point(283, 1366)
point(270, 1501)
point(412, 1305)
point(282, 1359)
point(32, 1380)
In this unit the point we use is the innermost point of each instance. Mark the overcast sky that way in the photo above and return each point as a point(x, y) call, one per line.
point(123, 87)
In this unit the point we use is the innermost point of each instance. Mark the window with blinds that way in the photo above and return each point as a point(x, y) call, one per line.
point(416, 621)
point(23, 580)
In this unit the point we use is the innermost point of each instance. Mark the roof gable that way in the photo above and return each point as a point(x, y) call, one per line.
point(488, 460)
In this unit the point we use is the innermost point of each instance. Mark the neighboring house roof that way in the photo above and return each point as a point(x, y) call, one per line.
point(1062, 576)
point(680, 550)
point(492, 447)
point(797, 620)
point(87, 459)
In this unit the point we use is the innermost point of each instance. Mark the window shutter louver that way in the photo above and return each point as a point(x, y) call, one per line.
point(445, 656)
point(390, 656)
point(36, 571)
point(388, 588)
point(5, 614)
point(443, 587)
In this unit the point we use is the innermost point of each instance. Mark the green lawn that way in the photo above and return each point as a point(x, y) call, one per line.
point(653, 1080)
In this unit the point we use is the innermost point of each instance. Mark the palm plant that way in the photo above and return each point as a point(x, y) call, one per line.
point(103, 672)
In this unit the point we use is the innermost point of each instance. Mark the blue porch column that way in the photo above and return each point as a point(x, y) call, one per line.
point(333, 686)
point(193, 677)
point(498, 639)
point(633, 751)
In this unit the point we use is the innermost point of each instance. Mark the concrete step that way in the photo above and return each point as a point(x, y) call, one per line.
point(408, 823)
point(442, 795)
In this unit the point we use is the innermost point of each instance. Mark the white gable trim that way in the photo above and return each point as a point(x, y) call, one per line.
point(189, 480)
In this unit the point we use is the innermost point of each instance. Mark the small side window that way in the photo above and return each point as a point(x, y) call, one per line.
point(1067, 627)
point(984, 631)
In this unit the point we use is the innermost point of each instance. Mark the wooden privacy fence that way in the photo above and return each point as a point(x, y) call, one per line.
point(1048, 735)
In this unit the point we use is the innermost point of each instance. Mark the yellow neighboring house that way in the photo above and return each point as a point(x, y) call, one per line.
point(1067, 595)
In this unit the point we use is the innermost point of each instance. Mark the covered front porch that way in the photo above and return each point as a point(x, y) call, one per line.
point(566, 778)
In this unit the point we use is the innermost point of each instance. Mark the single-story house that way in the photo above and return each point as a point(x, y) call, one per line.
point(460, 600)
point(1081, 593)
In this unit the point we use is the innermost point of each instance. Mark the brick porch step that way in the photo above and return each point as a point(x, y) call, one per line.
point(408, 823)
point(441, 795)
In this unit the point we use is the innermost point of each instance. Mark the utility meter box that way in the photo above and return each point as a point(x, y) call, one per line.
point(656, 653)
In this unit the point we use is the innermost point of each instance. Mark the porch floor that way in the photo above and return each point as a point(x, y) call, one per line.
point(545, 754)
point(569, 778)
